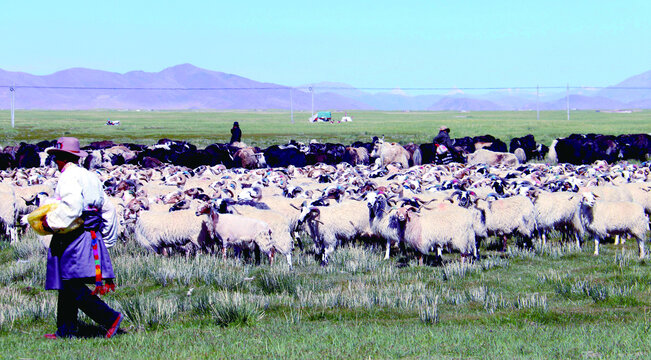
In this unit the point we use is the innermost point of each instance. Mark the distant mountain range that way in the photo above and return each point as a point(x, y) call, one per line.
point(221, 91)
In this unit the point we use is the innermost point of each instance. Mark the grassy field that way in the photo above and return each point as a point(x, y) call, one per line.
point(268, 128)
point(553, 302)
point(557, 301)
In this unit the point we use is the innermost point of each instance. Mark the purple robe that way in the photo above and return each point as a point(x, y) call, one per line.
point(70, 255)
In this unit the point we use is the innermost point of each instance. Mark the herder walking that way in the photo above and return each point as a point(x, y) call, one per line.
point(78, 257)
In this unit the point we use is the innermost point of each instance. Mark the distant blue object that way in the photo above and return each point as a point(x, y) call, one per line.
point(324, 115)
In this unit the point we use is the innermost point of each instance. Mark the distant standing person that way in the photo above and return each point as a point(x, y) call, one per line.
point(236, 133)
point(443, 138)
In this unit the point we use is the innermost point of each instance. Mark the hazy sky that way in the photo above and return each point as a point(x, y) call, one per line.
point(362, 43)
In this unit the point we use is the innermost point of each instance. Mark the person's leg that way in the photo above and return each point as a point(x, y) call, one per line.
point(66, 311)
point(93, 306)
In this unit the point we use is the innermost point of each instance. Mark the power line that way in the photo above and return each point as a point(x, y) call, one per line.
point(320, 88)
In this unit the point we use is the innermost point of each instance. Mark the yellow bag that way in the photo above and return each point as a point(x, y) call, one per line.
point(35, 220)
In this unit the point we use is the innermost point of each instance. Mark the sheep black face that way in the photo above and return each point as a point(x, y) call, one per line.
point(498, 186)
point(181, 205)
point(376, 204)
point(308, 213)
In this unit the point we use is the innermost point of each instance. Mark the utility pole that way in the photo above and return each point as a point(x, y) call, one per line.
point(567, 96)
point(12, 91)
point(291, 105)
point(537, 102)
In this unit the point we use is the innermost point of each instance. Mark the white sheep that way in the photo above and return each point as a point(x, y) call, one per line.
point(558, 211)
point(508, 215)
point(483, 156)
point(388, 153)
point(331, 225)
point(8, 211)
point(281, 226)
point(639, 193)
point(381, 223)
point(159, 230)
point(25, 196)
point(241, 232)
point(601, 218)
point(445, 224)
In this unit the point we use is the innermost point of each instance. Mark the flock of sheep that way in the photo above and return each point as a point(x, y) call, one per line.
point(422, 209)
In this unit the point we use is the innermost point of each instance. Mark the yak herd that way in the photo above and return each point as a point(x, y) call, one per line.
point(175, 197)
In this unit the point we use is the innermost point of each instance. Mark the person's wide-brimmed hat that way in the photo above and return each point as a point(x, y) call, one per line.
point(68, 145)
point(444, 128)
point(236, 124)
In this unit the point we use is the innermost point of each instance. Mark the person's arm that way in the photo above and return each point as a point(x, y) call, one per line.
point(71, 204)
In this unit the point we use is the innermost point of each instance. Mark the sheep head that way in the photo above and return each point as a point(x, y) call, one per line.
point(465, 198)
point(403, 213)
point(203, 209)
point(589, 198)
point(309, 213)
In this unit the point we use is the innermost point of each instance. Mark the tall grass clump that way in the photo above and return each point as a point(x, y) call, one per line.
point(179, 270)
point(598, 292)
point(16, 307)
point(294, 316)
point(458, 270)
point(31, 272)
point(231, 309)
point(355, 259)
point(29, 245)
point(556, 251)
point(149, 312)
point(429, 313)
point(276, 281)
point(623, 259)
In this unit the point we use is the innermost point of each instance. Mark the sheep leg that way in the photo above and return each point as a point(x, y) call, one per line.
point(596, 246)
point(578, 239)
point(386, 253)
point(13, 234)
point(543, 236)
point(617, 240)
point(271, 256)
point(403, 248)
point(475, 251)
point(300, 243)
point(640, 244)
point(420, 259)
point(326, 252)
point(504, 243)
point(439, 251)
point(224, 253)
point(289, 261)
point(256, 252)
point(297, 238)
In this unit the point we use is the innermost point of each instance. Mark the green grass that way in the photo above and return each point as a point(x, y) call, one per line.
point(550, 302)
point(264, 128)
